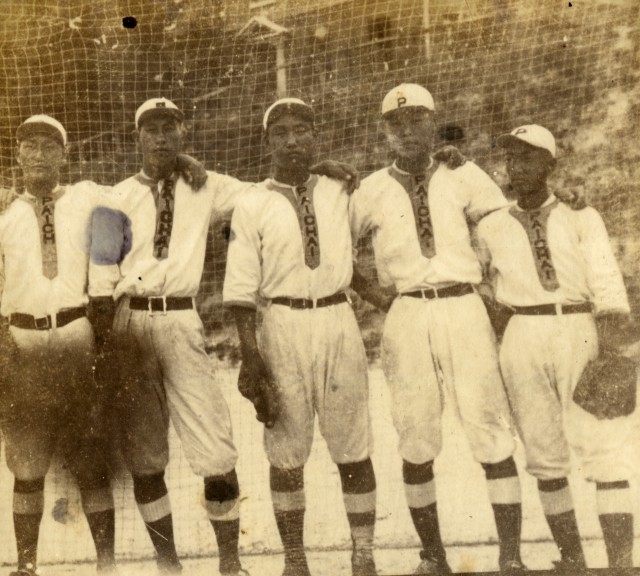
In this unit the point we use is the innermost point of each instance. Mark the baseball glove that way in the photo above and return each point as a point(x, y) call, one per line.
point(607, 386)
point(255, 384)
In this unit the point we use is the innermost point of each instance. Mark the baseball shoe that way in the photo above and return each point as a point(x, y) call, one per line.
point(572, 567)
point(296, 569)
point(362, 563)
point(432, 566)
point(513, 568)
point(28, 570)
point(170, 567)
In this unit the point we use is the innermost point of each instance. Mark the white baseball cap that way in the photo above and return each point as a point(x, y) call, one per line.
point(533, 134)
point(289, 105)
point(407, 95)
point(158, 106)
point(42, 124)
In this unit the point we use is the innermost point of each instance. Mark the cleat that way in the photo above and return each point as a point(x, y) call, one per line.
point(570, 567)
point(432, 566)
point(513, 568)
point(28, 570)
point(173, 567)
point(298, 568)
point(362, 563)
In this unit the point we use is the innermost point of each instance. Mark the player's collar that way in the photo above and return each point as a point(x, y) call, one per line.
point(145, 179)
point(275, 182)
point(57, 193)
point(550, 200)
point(395, 167)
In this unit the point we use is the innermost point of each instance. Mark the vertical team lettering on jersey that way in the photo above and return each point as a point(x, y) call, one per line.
point(417, 188)
point(164, 220)
point(535, 224)
point(309, 226)
point(302, 203)
point(45, 209)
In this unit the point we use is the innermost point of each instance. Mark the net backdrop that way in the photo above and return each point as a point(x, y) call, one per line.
point(490, 64)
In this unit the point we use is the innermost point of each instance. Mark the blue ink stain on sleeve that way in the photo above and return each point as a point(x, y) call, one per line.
point(111, 236)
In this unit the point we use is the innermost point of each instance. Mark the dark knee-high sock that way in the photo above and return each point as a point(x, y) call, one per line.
point(359, 494)
point(152, 497)
point(287, 495)
point(28, 508)
point(557, 504)
point(420, 490)
point(221, 496)
point(616, 519)
point(505, 496)
point(97, 503)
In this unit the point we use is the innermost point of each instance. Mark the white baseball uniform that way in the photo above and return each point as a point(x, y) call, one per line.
point(555, 255)
point(422, 240)
point(44, 253)
point(162, 354)
point(295, 242)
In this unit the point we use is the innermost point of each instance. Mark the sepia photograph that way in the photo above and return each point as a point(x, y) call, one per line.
point(319, 287)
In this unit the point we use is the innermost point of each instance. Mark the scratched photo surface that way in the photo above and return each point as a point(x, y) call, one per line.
point(561, 77)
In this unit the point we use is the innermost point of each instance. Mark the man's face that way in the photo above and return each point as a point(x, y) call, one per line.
point(41, 157)
point(292, 142)
point(160, 138)
point(410, 131)
point(528, 167)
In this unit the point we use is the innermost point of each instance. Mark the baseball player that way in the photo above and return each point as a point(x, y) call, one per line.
point(554, 267)
point(437, 337)
point(147, 254)
point(291, 247)
point(47, 393)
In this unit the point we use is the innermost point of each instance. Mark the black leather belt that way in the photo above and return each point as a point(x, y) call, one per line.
point(554, 309)
point(28, 322)
point(303, 303)
point(161, 304)
point(448, 292)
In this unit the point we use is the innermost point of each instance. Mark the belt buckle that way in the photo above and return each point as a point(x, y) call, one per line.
point(162, 299)
point(314, 303)
point(558, 309)
point(40, 325)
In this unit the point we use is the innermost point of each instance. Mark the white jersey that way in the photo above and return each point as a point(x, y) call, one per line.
point(276, 250)
point(552, 255)
point(67, 231)
point(385, 206)
point(140, 273)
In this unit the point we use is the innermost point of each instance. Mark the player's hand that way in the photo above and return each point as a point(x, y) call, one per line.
point(574, 196)
point(8, 353)
point(7, 196)
point(615, 331)
point(255, 384)
point(338, 171)
point(450, 156)
point(192, 171)
point(101, 312)
point(499, 315)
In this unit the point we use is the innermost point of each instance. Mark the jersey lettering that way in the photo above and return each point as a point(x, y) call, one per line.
point(417, 188)
point(303, 205)
point(164, 219)
point(535, 224)
point(45, 211)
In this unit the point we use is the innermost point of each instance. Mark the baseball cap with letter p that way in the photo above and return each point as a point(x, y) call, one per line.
point(533, 134)
point(158, 106)
point(407, 95)
point(42, 124)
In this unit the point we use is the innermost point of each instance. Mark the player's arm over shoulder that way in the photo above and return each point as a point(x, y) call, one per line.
point(367, 203)
point(476, 189)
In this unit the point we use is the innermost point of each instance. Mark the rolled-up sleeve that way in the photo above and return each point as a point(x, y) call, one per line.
point(604, 278)
point(244, 263)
